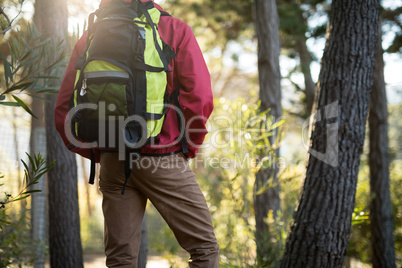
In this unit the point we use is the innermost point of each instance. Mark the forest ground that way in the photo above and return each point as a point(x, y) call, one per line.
point(97, 260)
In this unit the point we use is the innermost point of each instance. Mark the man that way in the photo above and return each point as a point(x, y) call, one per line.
point(161, 174)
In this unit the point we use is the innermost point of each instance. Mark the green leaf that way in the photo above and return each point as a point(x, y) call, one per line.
point(61, 57)
point(50, 91)
point(263, 113)
point(25, 164)
point(20, 86)
point(7, 70)
point(21, 198)
point(26, 108)
point(2, 97)
point(8, 222)
point(38, 160)
point(47, 77)
point(8, 103)
point(31, 160)
point(39, 175)
point(264, 136)
point(26, 55)
point(32, 191)
point(277, 124)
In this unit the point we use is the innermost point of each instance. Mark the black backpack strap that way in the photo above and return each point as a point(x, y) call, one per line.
point(92, 173)
point(91, 20)
point(169, 53)
point(162, 56)
point(174, 97)
point(148, 68)
point(91, 28)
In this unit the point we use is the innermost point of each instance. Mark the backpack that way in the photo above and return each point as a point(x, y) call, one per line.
point(120, 88)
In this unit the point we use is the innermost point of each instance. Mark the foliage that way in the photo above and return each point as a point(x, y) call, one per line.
point(17, 248)
point(161, 240)
point(395, 138)
point(236, 148)
point(30, 58)
point(396, 197)
point(392, 19)
point(218, 21)
point(359, 245)
point(227, 181)
point(294, 19)
point(225, 169)
point(5, 21)
point(16, 245)
point(91, 233)
point(32, 175)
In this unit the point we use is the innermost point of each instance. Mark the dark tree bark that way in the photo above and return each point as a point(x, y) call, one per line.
point(267, 28)
point(382, 240)
point(322, 223)
point(64, 221)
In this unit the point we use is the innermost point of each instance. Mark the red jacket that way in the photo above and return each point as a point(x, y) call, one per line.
point(188, 70)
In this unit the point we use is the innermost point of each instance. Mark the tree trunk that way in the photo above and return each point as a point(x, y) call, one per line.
point(267, 28)
point(382, 241)
point(322, 223)
point(305, 61)
point(39, 209)
point(64, 221)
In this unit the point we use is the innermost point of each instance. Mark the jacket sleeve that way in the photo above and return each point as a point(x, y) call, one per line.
point(196, 98)
point(63, 99)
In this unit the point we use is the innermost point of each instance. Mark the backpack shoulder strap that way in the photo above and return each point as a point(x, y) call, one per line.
point(92, 173)
point(162, 56)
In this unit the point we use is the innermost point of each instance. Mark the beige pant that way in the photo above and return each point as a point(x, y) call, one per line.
point(170, 184)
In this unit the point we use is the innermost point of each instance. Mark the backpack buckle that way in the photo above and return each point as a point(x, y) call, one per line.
point(83, 88)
